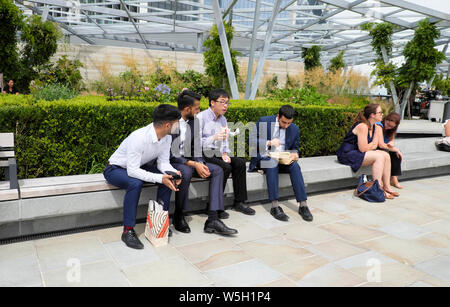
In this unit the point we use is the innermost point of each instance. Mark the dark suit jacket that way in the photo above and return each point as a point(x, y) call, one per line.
point(192, 145)
point(258, 139)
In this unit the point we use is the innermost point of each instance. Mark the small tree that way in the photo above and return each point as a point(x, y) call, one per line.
point(38, 40)
point(420, 55)
point(11, 20)
point(421, 59)
point(384, 71)
point(40, 44)
point(213, 57)
point(337, 62)
point(311, 57)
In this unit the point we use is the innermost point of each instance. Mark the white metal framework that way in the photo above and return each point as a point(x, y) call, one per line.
point(281, 30)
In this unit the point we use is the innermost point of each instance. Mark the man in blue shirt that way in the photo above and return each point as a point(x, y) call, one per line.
point(213, 127)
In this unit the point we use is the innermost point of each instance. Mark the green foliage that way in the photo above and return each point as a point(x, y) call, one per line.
point(65, 72)
point(38, 43)
point(213, 57)
point(11, 21)
point(52, 91)
point(69, 137)
point(337, 62)
point(381, 36)
point(302, 96)
point(420, 55)
point(195, 81)
point(150, 87)
point(311, 57)
point(442, 84)
point(271, 85)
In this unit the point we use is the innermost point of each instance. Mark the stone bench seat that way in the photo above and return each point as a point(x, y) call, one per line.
point(6, 193)
point(66, 202)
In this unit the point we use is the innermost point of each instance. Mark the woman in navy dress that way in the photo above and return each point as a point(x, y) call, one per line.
point(387, 143)
point(359, 148)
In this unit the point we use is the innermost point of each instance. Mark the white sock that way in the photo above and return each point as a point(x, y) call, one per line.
point(303, 203)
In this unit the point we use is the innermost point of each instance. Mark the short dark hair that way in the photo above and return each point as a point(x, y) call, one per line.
point(165, 113)
point(287, 111)
point(187, 99)
point(216, 94)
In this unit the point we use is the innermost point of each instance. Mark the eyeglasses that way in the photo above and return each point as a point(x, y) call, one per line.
point(381, 112)
point(224, 102)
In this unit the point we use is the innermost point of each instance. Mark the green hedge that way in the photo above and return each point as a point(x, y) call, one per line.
point(69, 137)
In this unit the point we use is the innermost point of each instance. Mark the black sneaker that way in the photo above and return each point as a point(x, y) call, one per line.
point(244, 209)
point(131, 240)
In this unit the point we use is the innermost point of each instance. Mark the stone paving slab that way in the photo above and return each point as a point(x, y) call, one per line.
point(402, 242)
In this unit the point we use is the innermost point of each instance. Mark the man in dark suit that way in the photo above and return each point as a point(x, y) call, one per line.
point(186, 156)
point(278, 133)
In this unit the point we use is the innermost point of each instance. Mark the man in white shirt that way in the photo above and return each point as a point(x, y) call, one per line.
point(144, 157)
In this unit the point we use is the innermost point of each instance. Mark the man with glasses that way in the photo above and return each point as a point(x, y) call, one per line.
point(187, 158)
point(214, 129)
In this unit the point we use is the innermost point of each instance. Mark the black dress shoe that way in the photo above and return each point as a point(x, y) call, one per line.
point(217, 226)
point(244, 209)
point(131, 240)
point(181, 225)
point(223, 215)
point(305, 213)
point(279, 214)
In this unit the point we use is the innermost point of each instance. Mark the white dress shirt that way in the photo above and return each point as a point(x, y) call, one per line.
point(280, 134)
point(141, 147)
point(183, 129)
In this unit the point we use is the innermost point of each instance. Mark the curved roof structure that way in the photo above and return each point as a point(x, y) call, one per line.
point(276, 29)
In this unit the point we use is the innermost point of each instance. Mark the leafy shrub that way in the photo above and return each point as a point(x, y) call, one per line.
point(77, 136)
point(64, 71)
point(52, 91)
point(302, 96)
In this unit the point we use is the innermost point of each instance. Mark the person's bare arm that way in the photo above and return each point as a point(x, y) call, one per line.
point(379, 133)
point(363, 145)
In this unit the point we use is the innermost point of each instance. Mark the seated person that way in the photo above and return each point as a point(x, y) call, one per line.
point(144, 156)
point(359, 148)
point(284, 135)
point(214, 140)
point(387, 143)
point(10, 89)
point(444, 142)
point(187, 158)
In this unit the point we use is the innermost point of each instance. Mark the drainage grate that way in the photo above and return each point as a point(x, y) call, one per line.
point(60, 233)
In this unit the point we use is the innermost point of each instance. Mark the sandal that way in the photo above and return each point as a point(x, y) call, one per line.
point(388, 196)
point(396, 194)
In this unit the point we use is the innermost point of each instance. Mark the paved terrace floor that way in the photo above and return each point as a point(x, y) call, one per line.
point(408, 239)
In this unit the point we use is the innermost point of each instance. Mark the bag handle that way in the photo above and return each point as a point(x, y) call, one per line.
point(370, 184)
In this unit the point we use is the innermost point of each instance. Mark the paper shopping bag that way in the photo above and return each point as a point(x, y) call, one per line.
point(157, 227)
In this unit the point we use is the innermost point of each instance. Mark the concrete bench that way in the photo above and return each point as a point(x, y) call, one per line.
point(9, 188)
point(57, 203)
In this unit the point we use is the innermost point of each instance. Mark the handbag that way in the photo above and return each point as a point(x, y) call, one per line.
point(369, 190)
point(157, 226)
